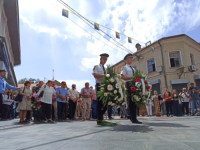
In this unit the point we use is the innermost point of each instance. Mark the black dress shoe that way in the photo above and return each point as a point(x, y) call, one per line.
point(137, 122)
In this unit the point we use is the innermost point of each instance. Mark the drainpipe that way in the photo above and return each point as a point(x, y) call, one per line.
point(163, 64)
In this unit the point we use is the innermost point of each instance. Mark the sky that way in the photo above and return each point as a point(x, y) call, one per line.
point(50, 41)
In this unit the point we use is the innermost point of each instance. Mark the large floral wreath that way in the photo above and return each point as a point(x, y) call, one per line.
point(140, 88)
point(112, 89)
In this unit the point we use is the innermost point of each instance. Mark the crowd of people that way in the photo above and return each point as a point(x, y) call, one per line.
point(49, 103)
point(187, 102)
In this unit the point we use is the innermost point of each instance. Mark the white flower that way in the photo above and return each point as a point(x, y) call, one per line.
point(135, 97)
point(116, 97)
point(140, 93)
point(109, 103)
point(123, 103)
point(118, 75)
point(118, 107)
point(110, 87)
point(146, 93)
point(115, 92)
point(113, 104)
point(145, 101)
point(107, 75)
point(119, 99)
point(138, 84)
point(105, 94)
point(112, 80)
point(117, 85)
point(143, 75)
point(102, 88)
point(143, 97)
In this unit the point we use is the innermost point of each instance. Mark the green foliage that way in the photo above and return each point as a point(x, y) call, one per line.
point(21, 81)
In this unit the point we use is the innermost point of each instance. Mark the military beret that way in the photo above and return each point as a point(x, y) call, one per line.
point(2, 70)
point(137, 45)
point(128, 55)
point(104, 55)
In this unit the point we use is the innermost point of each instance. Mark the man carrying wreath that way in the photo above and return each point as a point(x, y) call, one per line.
point(98, 72)
point(127, 74)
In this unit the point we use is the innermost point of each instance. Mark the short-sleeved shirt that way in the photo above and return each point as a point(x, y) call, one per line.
point(127, 71)
point(48, 93)
point(63, 92)
point(185, 99)
point(73, 93)
point(86, 91)
point(98, 69)
point(194, 95)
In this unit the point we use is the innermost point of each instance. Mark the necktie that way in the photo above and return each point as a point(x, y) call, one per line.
point(104, 70)
point(132, 69)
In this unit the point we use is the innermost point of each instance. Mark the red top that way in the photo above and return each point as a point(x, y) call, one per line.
point(167, 96)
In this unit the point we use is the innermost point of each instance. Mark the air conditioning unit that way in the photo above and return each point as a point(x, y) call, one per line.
point(192, 68)
point(159, 69)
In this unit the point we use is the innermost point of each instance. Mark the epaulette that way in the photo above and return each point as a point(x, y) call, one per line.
point(95, 66)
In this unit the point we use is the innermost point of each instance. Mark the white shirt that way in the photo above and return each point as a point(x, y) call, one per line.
point(48, 94)
point(185, 99)
point(98, 69)
point(5, 98)
point(73, 93)
point(127, 71)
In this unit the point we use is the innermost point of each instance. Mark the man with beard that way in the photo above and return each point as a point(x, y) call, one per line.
point(127, 74)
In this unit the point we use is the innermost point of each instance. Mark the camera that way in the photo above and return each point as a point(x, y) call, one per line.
point(191, 88)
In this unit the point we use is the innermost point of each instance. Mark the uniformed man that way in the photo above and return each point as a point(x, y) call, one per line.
point(3, 86)
point(127, 74)
point(98, 72)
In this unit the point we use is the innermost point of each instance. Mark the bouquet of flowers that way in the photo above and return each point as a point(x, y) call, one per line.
point(141, 89)
point(112, 89)
point(35, 105)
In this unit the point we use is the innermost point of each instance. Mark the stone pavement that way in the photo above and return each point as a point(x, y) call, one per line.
point(156, 133)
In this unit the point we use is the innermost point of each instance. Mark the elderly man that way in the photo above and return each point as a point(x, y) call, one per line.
point(73, 97)
point(86, 94)
point(194, 93)
point(61, 93)
point(3, 86)
point(185, 100)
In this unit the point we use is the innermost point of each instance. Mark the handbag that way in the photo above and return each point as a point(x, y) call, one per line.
point(19, 96)
point(42, 92)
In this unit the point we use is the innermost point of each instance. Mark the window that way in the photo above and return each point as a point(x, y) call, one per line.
point(151, 65)
point(175, 60)
point(192, 59)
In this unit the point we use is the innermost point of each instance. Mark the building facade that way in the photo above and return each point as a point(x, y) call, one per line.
point(174, 63)
point(9, 38)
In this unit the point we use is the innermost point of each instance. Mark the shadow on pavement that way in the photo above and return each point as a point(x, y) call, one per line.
point(165, 125)
point(133, 128)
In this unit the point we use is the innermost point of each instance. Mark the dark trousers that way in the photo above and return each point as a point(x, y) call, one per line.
point(168, 107)
point(176, 108)
point(5, 111)
point(61, 109)
point(100, 107)
point(1, 106)
point(94, 109)
point(110, 112)
point(46, 111)
point(28, 115)
point(132, 105)
point(72, 108)
point(185, 105)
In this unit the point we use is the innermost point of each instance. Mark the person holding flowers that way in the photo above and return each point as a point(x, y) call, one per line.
point(98, 72)
point(127, 74)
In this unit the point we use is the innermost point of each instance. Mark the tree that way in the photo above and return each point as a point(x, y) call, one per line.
point(21, 81)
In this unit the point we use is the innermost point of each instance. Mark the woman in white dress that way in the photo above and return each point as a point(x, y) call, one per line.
point(25, 104)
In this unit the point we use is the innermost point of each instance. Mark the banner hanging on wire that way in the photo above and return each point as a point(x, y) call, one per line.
point(96, 26)
point(65, 13)
point(117, 35)
point(129, 39)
